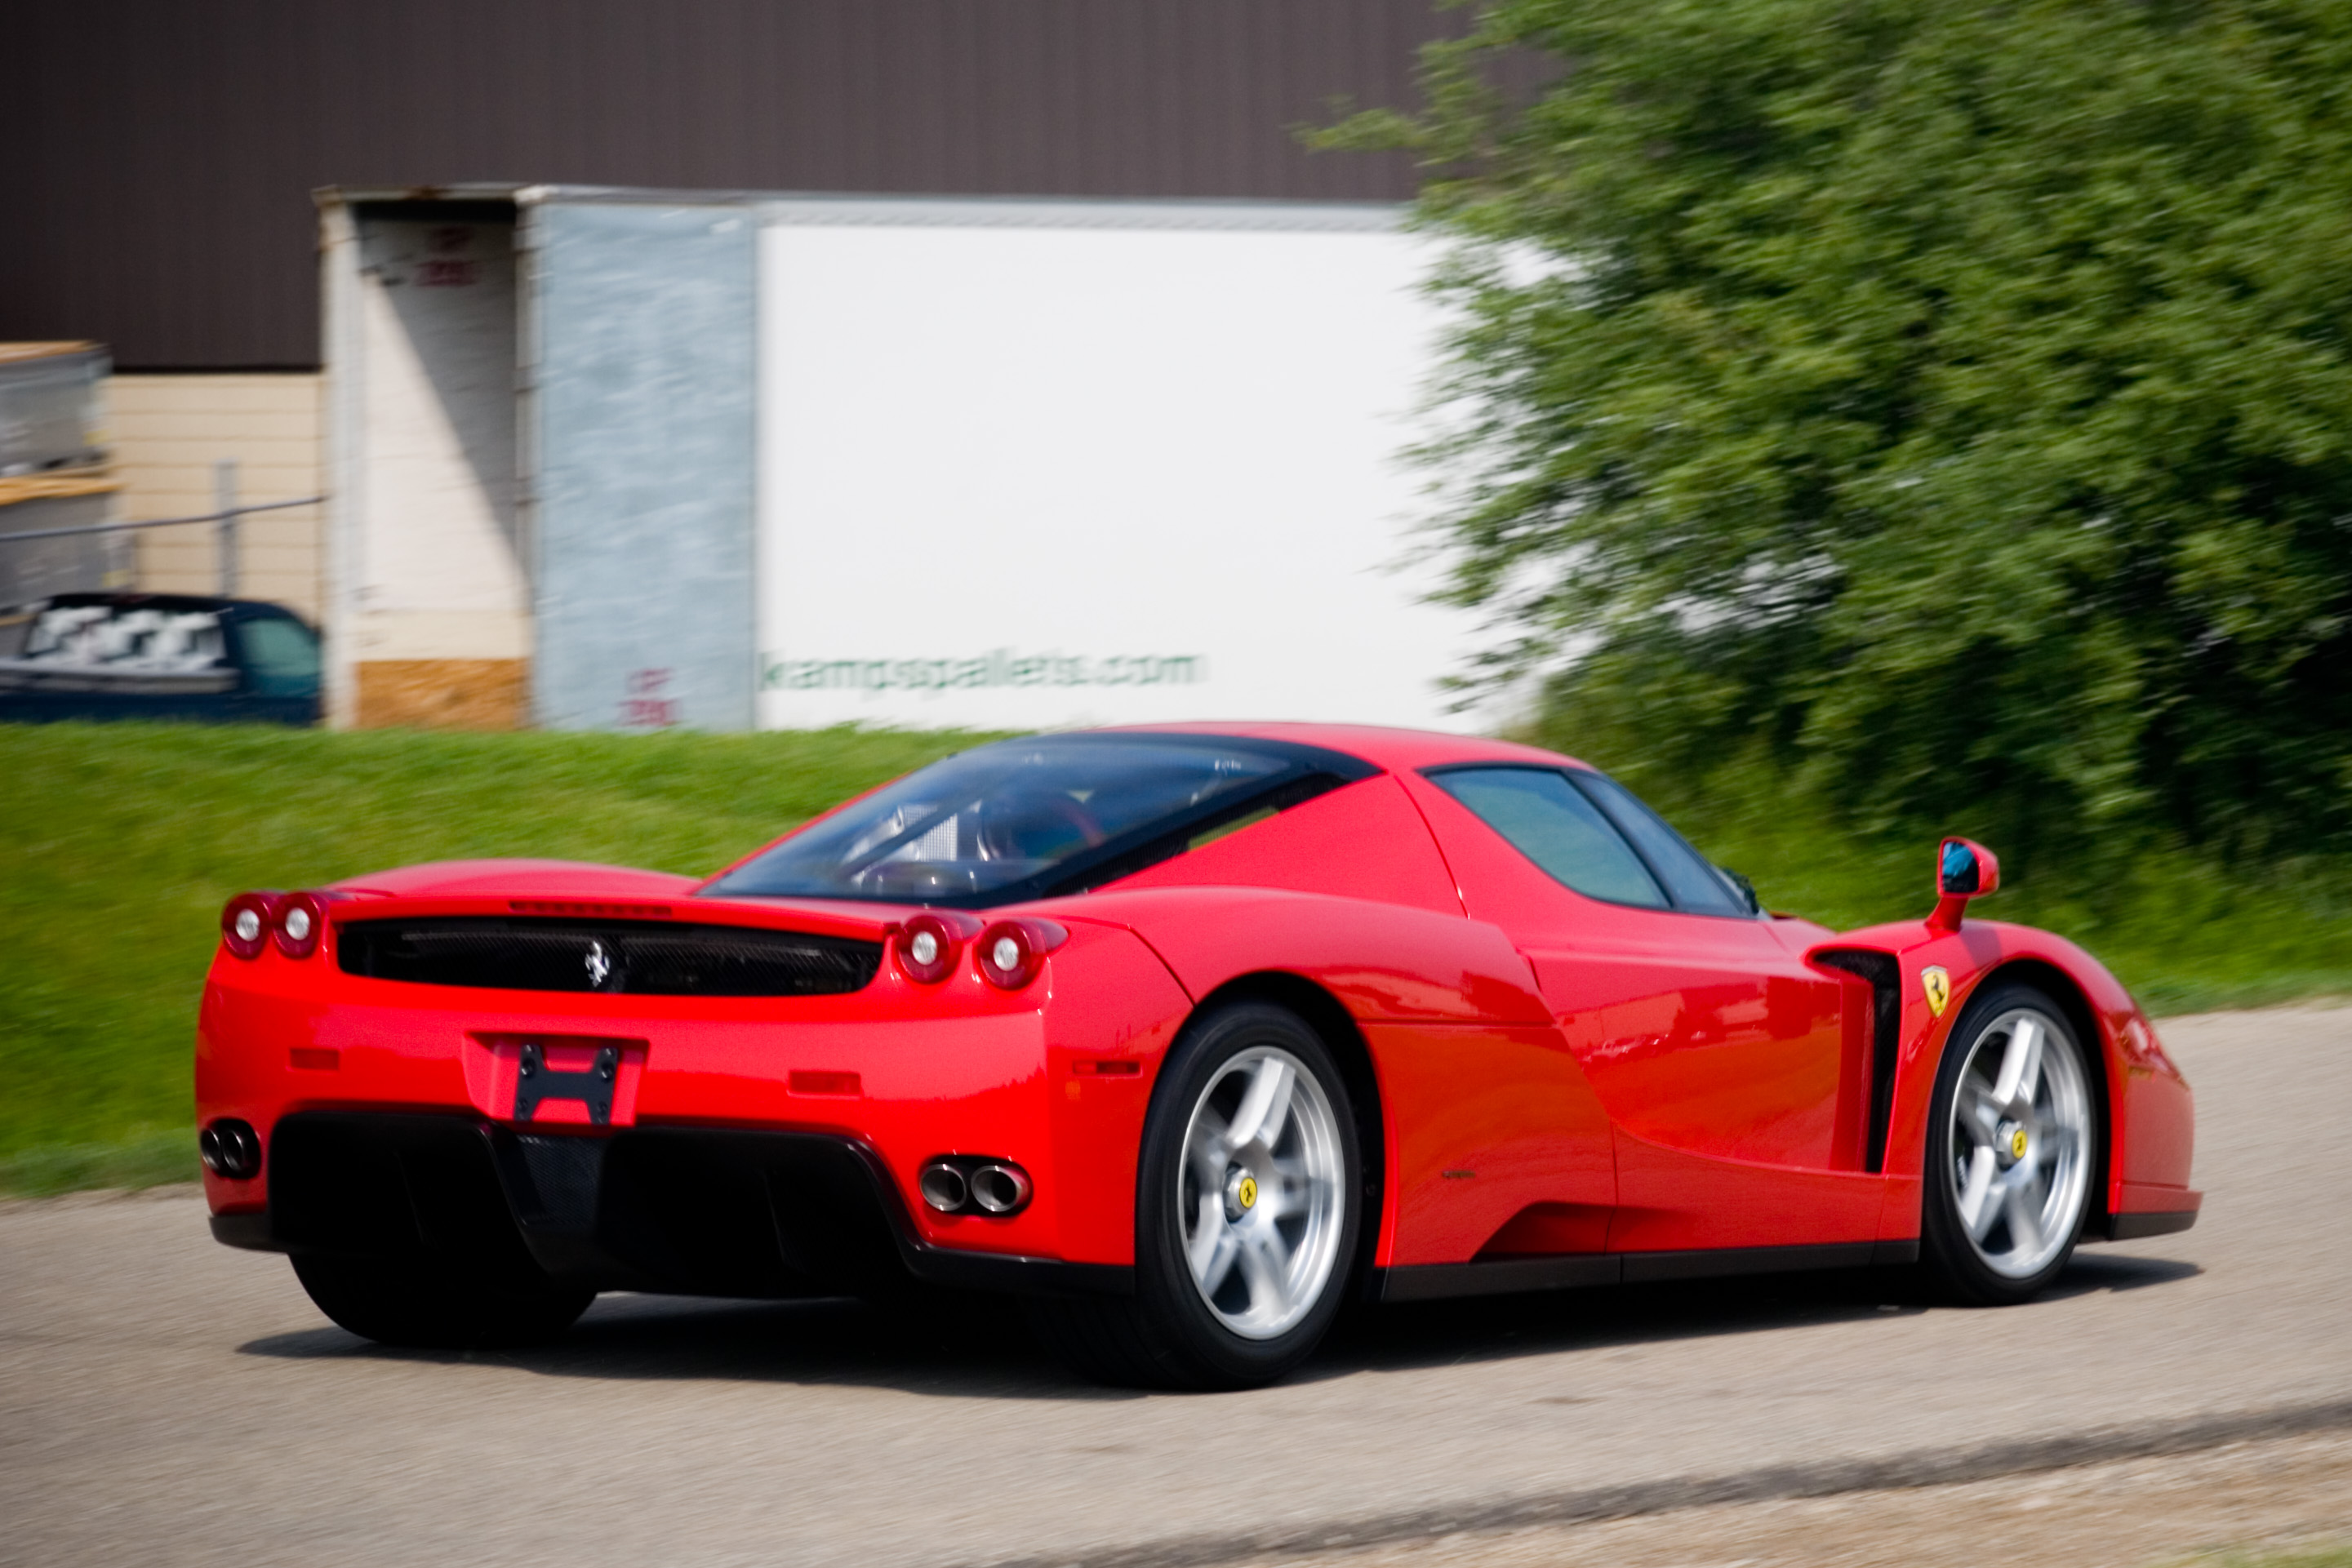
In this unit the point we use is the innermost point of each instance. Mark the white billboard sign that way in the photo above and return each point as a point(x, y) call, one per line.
point(1042, 464)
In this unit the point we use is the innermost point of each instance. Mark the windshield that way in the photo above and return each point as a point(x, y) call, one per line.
point(1027, 818)
point(281, 656)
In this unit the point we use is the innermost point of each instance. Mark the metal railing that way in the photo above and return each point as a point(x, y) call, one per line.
point(228, 510)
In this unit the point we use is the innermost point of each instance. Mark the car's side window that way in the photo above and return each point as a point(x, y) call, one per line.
point(1547, 820)
point(1695, 884)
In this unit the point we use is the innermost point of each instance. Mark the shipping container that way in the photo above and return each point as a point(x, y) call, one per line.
point(619, 459)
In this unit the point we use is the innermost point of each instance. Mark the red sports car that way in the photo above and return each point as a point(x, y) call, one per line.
point(1186, 1034)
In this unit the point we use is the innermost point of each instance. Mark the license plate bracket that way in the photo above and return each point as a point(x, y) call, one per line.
point(593, 1087)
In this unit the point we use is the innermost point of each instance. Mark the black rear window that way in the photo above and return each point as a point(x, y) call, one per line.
point(1038, 817)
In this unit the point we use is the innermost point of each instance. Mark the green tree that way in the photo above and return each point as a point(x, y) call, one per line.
point(1953, 396)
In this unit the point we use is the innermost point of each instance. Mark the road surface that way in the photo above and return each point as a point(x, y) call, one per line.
point(166, 1399)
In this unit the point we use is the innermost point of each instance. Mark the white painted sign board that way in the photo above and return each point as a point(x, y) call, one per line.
point(1027, 465)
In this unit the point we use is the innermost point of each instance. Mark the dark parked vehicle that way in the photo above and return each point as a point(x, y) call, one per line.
point(158, 655)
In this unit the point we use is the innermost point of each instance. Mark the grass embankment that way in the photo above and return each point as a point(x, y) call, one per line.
point(2185, 934)
point(123, 842)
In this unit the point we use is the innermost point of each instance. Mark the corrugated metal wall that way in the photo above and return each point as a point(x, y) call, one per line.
point(156, 156)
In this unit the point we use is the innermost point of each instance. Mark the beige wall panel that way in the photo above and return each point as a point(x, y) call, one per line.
point(438, 529)
point(169, 431)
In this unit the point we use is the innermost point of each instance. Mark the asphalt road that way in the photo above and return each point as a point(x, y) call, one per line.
point(164, 1399)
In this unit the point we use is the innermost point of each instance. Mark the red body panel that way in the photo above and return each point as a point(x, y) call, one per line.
point(1556, 1075)
point(2150, 1115)
point(1724, 1063)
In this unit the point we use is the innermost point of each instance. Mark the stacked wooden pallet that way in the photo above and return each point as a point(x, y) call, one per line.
point(56, 472)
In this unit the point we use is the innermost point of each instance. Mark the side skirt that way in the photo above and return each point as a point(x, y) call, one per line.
point(1505, 1276)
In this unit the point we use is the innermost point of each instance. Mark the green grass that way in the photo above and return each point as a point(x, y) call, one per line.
point(121, 841)
point(2183, 933)
point(151, 1160)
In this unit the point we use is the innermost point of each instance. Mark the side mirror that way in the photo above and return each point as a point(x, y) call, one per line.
point(1964, 870)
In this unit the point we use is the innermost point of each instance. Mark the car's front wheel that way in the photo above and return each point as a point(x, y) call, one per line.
point(2013, 1143)
point(437, 1307)
point(1248, 1213)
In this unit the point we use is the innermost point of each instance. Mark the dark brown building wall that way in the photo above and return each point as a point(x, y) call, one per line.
point(156, 156)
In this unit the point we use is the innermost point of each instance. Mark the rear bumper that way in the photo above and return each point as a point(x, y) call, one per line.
point(679, 1209)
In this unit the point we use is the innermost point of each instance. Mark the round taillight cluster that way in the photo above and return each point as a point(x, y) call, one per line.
point(301, 918)
point(292, 922)
point(1009, 953)
point(927, 945)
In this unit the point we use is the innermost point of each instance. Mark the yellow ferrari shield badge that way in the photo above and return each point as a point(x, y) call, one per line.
point(1248, 1193)
point(1937, 983)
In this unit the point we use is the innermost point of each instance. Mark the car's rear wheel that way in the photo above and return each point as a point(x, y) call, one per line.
point(1248, 1213)
point(437, 1307)
point(2012, 1145)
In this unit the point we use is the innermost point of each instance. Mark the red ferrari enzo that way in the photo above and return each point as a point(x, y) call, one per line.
point(1188, 1034)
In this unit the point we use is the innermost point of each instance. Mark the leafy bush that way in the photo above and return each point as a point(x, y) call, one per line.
point(1952, 398)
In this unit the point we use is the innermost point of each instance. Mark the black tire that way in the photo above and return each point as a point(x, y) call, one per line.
point(1954, 1266)
point(431, 1308)
point(1167, 1335)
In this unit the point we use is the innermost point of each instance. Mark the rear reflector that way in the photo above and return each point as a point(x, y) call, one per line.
point(822, 1083)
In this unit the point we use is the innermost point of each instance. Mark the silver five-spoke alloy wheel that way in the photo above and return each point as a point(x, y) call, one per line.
point(1263, 1192)
point(2021, 1134)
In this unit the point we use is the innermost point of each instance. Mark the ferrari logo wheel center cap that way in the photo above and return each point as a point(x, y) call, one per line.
point(2017, 1144)
point(1241, 1194)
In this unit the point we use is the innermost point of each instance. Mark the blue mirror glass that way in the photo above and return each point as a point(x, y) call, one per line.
point(1959, 868)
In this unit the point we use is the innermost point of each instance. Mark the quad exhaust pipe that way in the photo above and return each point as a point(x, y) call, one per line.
point(975, 1184)
point(230, 1148)
point(1000, 1189)
point(944, 1187)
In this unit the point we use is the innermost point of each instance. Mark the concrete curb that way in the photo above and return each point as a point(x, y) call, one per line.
point(1825, 1478)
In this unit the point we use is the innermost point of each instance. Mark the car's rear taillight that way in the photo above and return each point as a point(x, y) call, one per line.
point(302, 917)
point(1013, 951)
point(927, 945)
point(247, 920)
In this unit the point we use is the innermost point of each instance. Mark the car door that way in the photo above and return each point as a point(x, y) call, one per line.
point(1733, 1075)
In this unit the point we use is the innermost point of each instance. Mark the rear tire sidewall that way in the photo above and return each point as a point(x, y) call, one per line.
point(427, 1307)
point(1948, 1257)
point(1166, 1295)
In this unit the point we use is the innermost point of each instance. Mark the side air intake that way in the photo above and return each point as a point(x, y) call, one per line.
point(1886, 977)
